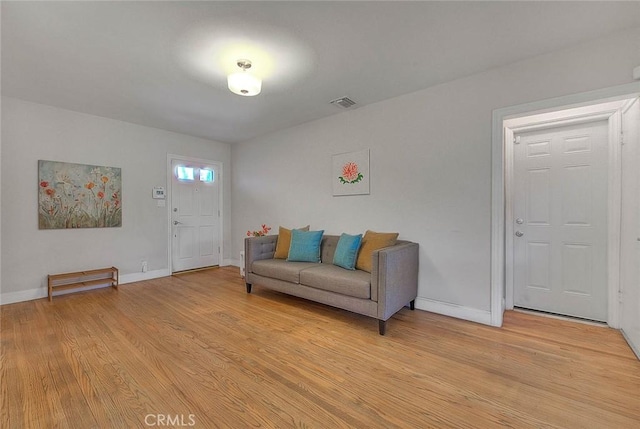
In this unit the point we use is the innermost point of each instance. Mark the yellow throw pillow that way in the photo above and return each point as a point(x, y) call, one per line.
point(284, 242)
point(371, 242)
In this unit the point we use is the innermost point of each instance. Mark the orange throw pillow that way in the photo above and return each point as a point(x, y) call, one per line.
point(284, 242)
point(371, 242)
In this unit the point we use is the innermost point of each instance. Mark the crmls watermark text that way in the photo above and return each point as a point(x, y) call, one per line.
point(174, 420)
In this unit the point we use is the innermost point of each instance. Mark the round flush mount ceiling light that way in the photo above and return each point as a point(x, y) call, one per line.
point(243, 82)
point(209, 52)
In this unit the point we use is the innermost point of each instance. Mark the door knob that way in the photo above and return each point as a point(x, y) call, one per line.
point(175, 222)
point(519, 233)
point(519, 221)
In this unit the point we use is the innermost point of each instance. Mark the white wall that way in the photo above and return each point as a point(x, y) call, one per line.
point(630, 228)
point(430, 167)
point(31, 132)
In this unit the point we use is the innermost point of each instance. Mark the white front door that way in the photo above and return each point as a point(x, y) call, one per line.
point(560, 220)
point(630, 226)
point(195, 215)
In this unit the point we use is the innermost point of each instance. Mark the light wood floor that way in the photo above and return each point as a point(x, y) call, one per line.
point(196, 347)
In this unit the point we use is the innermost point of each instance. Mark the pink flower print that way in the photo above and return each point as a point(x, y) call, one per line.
point(350, 171)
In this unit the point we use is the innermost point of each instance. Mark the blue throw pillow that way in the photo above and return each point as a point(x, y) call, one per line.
point(347, 251)
point(305, 246)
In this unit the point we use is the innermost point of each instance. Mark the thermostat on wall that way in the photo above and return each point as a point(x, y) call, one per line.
point(158, 193)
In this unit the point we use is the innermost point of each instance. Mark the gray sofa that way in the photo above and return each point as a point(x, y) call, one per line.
point(391, 285)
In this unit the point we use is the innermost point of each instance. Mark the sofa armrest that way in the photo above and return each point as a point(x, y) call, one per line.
point(256, 248)
point(396, 270)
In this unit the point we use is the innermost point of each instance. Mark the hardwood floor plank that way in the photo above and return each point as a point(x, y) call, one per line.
point(198, 345)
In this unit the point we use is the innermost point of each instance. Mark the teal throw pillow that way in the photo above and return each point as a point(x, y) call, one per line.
point(305, 246)
point(347, 251)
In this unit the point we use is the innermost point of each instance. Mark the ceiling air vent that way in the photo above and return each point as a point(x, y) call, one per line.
point(344, 102)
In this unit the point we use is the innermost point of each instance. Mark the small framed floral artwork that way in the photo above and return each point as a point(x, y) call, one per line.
point(350, 173)
point(78, 196)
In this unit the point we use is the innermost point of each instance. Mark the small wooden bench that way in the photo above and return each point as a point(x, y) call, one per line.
point(78, 279)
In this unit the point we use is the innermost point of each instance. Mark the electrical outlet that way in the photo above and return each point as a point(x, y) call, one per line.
point(143, 264)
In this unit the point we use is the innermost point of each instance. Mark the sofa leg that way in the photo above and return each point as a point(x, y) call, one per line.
point(412, 305)
point(382, 326)
point(248, 287)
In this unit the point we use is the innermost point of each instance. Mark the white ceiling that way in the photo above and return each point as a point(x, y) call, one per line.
point(163, 64)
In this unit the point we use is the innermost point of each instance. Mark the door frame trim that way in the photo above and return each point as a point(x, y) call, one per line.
point(499, 167)
point(218, 165)
point(610, 112)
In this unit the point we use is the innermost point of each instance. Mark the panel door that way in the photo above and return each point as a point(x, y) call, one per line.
point(195, 216)
point(560, 215)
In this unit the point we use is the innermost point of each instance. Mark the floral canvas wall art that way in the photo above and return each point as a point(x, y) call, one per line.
point(350, 173)
point(78, 196)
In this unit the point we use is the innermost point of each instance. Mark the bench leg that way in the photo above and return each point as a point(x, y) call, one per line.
point(382, 326)
point(248, 287)
point(412, 305)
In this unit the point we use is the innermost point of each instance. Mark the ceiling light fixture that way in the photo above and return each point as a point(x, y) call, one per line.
point(244, 83)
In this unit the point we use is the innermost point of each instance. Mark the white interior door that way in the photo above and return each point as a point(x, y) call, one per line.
point(630, 226)
point(560, 220)
point(195, 216)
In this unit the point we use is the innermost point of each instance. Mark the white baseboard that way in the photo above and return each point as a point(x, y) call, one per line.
point(454, 310)
point(234, 262)
point(23, 295)
point(39, 293)
point(138, 277)
point(635, 349)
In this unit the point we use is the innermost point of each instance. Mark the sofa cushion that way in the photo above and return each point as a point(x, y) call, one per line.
point(280, 269)
point(347, 251)
point(284, 241)
point(371, 242)
point(328, 247)
point(305, 246)
point(335, 279)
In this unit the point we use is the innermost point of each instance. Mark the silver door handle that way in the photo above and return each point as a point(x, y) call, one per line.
point(519, 233)
point(175, 222)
